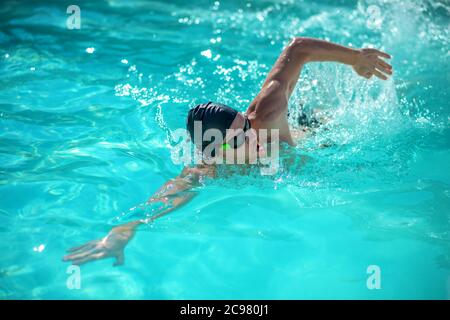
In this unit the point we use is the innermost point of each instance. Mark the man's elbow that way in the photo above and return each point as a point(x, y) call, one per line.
point(303, 47)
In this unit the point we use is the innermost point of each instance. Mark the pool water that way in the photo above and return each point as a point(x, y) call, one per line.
point(87, 118)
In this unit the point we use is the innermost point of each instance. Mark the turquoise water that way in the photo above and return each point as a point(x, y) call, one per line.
point(86, 132)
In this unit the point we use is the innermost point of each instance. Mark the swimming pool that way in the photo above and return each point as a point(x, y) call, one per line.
point(86, 132)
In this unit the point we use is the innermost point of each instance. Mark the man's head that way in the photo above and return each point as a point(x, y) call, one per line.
point(223, 129)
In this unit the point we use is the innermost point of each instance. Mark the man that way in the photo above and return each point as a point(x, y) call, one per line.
point(268, 111)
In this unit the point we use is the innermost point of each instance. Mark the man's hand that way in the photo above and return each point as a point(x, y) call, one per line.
point(368, 63)
point(110, 246)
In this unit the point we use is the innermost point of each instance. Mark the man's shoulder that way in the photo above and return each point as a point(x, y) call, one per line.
point(270, 104)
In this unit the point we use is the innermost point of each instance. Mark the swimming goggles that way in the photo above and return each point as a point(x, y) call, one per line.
point(239, 139)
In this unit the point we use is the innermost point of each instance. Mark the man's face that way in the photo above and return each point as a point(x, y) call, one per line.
point(241, 147)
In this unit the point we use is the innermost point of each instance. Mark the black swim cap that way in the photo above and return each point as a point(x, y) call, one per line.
point(213, 116)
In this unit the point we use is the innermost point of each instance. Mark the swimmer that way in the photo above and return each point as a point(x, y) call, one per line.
point(268, 110)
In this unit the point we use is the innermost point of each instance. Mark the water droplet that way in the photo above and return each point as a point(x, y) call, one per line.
point(39, 248)
point(207, 53)
point(132, 166)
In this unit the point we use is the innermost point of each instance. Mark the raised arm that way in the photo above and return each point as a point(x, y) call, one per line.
point(367, 59)
point(172, 195)
point(286, 70)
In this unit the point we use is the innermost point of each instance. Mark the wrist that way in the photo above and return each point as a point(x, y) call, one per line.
point(126, 227)
point(354, 55)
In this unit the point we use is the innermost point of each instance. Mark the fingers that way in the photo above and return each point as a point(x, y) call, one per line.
point(77, 256)
point(382, 54)
point(89, 258)
point(372, 64)
point(379, 74)
point(90, 244)
point(79, 262)
point(385, 67)
point(80, 254)
point(384, 70)
point(365, 73)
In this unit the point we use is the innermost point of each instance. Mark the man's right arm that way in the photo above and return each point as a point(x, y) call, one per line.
point(172, 195)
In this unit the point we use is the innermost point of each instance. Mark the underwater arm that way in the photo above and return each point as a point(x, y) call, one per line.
point(172, 195)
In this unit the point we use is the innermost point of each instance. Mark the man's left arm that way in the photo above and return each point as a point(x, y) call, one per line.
point(366, 62)
point(286, 70)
